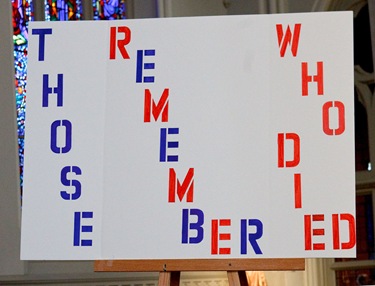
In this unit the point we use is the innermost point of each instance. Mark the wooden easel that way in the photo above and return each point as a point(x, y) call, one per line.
point(170, 269)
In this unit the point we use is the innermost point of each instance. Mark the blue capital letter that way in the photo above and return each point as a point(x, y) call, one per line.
point(79, 228)
point(164, 144)
point(42, 33)
point(193, 225)
point(147, 66)
point(58, 90)
point(66, 182)
point(68, 136)
point(253, 237)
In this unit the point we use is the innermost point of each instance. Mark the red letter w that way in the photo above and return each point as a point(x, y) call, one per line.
point(156, 109)
point(288, 39)
point(186, 188)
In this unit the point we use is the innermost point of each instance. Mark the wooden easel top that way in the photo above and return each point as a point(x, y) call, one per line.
point(170, 269)
point(158, 265)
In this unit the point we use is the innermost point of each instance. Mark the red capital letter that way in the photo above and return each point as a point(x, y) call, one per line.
point(120, 43)
point(187, 187)
point(310, 232)
point(296, 150)
point(215, 236)
point(288, 39)
point(326, 118)
point(336, 231)
point(156, 109)
point(318, 78)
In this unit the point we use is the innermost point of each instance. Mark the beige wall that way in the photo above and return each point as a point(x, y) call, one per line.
point(9, 174)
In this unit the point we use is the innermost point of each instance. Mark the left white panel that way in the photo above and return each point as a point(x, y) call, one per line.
point(64, 106)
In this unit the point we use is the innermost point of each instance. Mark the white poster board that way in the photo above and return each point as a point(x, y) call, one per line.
point(202, 137)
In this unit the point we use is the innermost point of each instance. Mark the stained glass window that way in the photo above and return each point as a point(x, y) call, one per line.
point(63, 10)
point(108, 9)
point(22, 13)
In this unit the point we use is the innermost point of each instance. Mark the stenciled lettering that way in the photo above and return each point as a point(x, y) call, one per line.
point(252, 237)
point(340, 107)
point(142, 65)
point(121, 43)
point(164, 144)
point(186, 188)
point(288, 38)
point(42, 39)
point(217, 236)
point(58, 90)
point(318, 79)
point(70, 182)
point(68, 136)
point(197, 216)
point(80, 228)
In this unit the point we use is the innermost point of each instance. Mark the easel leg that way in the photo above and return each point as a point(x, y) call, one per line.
point(243, 278)
point(169, 278)
point(237, 278)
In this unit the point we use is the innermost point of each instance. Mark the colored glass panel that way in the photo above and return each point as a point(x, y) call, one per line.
point(109, 9)
point(63, 10)
point(22, 11)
